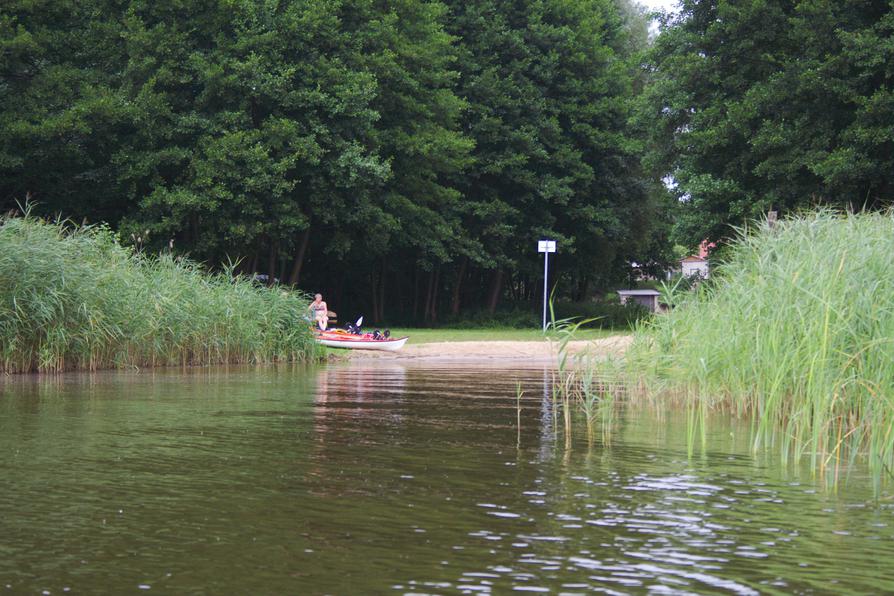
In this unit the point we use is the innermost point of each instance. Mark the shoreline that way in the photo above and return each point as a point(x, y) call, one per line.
point(614, 345)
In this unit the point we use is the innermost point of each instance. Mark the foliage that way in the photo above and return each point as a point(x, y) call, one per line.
point(395, 156)
point(796, 331)
point(607, 314)
point(548, 86)
point(74, 298)
point(603, 314)
point(761, 104)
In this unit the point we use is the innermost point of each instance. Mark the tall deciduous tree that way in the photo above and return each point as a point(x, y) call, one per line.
point(63, 115)
point(413, 218)
point(405, 153)
point(772, 103)
point(549, 86)
point(262, 127)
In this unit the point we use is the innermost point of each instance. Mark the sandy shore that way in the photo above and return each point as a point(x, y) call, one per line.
point(502, 350)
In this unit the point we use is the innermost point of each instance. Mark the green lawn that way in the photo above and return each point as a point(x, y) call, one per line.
point(424, 336)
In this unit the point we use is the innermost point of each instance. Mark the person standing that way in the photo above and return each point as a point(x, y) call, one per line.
point(320, 311)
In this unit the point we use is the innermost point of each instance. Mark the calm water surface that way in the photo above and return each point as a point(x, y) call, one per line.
point(382, 478)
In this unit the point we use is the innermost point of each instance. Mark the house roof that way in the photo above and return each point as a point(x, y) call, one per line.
point(693, 259)
point(639, 293)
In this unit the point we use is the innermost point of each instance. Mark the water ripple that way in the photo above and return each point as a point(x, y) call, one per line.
point(367, 478)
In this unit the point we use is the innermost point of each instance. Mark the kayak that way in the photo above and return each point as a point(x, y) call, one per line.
point(342, 339)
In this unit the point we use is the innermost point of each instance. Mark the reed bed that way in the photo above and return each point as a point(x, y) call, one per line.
point(74, 298)
point(795, 331)
point(583, 386)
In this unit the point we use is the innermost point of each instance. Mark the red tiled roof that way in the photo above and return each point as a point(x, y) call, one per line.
point(704, 248)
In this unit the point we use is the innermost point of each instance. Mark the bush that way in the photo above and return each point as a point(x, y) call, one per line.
point(514, 317)
point(75, 298)
point(607, 314)
point(526, 316)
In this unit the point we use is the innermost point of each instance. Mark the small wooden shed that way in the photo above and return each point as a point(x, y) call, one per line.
point(648, 298)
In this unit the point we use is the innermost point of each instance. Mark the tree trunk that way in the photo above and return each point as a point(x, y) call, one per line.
point(249, 267)
point(428, 295)
point(382, 281)
point(415, 293)
point(373, 284)
point(400, 284)
point(496, 287)
point(457, 288)
point(340, 289)
point(271, 261)
point(434, 295)
point(295, 274)
point(583, 288)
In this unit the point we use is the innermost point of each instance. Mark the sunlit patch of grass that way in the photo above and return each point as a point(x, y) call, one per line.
point(421, 336)
point(74, 298)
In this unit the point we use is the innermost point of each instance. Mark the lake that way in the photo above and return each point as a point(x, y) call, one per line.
point(381, 477)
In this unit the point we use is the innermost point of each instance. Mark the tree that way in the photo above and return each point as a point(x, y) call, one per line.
point(412, 219)
point(548, 85)
point(62, 115)
point(771, 103)
point(262, 127)
point(404, 153)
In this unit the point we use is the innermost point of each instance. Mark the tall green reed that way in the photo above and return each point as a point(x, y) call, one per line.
point(73, 297)
point(796, 331)
point(583, 384)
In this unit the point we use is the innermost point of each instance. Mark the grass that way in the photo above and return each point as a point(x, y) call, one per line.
point(425, 336)
point(74, 298)
point(794, 331)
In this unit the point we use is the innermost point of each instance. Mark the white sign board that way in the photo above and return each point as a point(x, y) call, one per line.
point(546, 246)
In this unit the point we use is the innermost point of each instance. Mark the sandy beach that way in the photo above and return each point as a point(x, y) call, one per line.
point(502, 350)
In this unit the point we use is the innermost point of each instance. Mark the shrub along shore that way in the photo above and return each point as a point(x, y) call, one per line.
point(74, 298)
point(796, 330)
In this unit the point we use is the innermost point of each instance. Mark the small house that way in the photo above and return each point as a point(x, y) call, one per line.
point(647, 298)
point(694, 266)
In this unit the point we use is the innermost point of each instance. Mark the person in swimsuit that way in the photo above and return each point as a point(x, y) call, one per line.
point(321, 311)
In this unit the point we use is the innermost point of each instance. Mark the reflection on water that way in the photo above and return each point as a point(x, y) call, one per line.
point(368, 478)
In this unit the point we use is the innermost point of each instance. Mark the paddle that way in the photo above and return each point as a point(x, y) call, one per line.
point(355, 328)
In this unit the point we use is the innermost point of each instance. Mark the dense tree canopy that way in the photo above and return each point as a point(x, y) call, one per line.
point(760, 104)
point(549, 95)
point(404, 154)
point(403, 157)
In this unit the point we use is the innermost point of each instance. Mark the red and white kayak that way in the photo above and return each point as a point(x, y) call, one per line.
point(342, 339)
